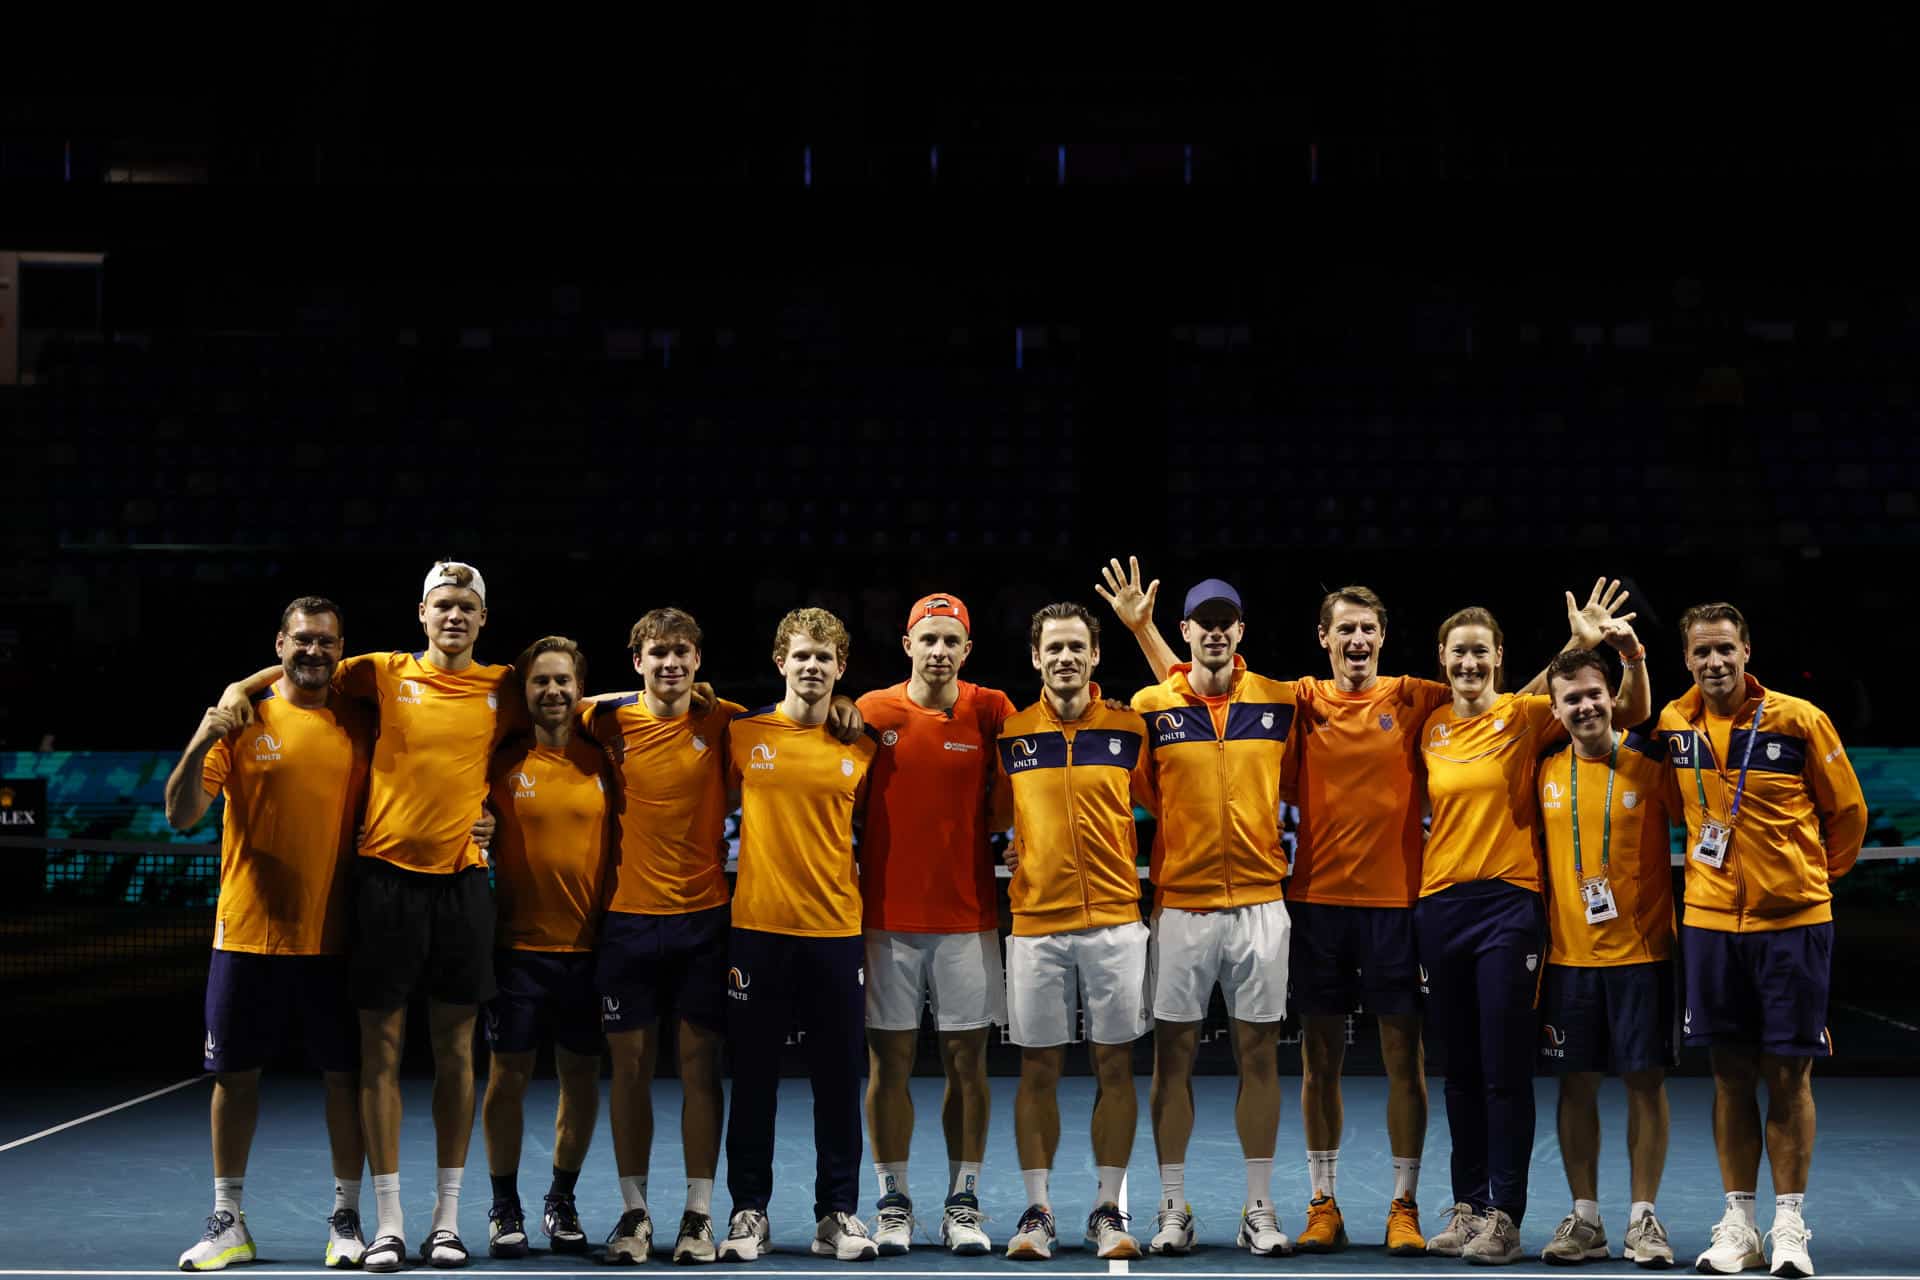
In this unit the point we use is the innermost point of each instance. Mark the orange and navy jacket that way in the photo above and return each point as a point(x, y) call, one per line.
point(1632, 832)
point(1802, 817)
point(1071, 788)
point(1217, 773)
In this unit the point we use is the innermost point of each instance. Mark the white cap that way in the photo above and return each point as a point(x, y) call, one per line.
point(438, 576)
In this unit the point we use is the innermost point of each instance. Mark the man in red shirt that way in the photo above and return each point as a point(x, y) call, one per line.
point(931, 916)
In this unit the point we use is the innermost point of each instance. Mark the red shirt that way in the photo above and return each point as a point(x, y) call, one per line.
point(925, 865)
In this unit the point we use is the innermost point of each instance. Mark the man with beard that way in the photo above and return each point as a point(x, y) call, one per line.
point(293, 791)
point(551, 864)
point(423, 911)
point(1070, 768)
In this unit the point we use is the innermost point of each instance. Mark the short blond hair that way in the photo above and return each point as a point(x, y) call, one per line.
point(552, 644)
point(816, 624)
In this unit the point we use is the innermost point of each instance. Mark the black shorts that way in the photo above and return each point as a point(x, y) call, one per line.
point(256, 1004)
point(544, 995)
point(1342, 959)
point(652, 964)
point(415, 932)
point(1616, 1018)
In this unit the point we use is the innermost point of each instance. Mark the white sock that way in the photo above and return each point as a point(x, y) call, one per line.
point(700, 1196)
point(1036, 1180)
point(388, 1220)
point(1322, 1168)
point(892, 1176)
point(346, 1194)
point(446, 1199)
point(1637, 1208)
point(1743, 1201)
point(1406, 1177)
point(633, 1191)
point(1791, 1203)
point(1111, 1178)
point(1173, 1186)
point(1588, 1211)
point(1259, 1182)
point(964, 1180)
point(226, 1195)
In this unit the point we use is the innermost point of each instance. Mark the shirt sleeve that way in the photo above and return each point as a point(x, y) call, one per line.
point(1836, 795)
point(215, 767)
point(358, 676)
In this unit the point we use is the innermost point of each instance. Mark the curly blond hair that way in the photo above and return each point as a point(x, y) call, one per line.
point(816, 624)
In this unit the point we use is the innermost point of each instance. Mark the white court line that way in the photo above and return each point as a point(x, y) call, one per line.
point(105, 1111)
point(1879, 1017)
point(1409, 1274)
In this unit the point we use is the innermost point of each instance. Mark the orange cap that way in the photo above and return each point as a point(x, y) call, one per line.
point(939, 605)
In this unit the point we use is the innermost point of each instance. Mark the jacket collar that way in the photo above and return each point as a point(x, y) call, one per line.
point(1693, 704)
point(1178, 676)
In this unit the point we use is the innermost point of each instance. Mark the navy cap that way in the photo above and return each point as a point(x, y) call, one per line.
point(1211, 589)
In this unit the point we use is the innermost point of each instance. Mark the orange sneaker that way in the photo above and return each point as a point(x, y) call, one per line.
point(1403, 1230)
point(1326, 1230)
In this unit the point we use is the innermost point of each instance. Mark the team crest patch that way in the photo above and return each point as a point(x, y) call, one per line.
point(493, 703)
point(699, 743)
point(1631, 800)
point(1266, 720)
point(890, 737)
point(1113, 746)
point(1533, 962)
point(1386, 722)
point(1498, 725)
point(1773, 751)
point(846, 767)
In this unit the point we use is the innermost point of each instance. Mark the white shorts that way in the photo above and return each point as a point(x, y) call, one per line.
point(1244, 949)
point(957, 974)
point(1052, 976)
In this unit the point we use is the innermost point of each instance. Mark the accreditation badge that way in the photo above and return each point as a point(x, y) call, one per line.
point(1597, 895)
point(1711, 848)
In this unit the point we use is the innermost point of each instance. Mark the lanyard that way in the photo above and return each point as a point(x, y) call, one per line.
point(1740, 789)
point(1606, 825)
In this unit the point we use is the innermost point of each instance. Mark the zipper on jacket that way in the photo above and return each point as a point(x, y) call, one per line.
point(1073, 832)
point(1226, 819)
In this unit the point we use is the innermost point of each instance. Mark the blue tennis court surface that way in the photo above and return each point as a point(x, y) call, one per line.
point(123, 1193)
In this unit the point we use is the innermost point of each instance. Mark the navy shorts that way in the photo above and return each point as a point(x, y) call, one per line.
point(419, 932)
point(1767, 989)
point(1343, 959)
point(651, 964)
point(1616, 1018)
point(543, 995)
point(257, 1004)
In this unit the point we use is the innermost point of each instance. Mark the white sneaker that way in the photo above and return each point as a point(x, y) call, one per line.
point(1789, 1238)
point(1034, 1241)
point(1735, 1246)
point(1172, 1232)
point(695, 1244)
point(843, 1236)
point(225, 1243)
point(893, 1224)
point(960, 1228)
point(345, 1245)
point(631, 1239)
point(1260, 1232)
point(1107, 1233)
point(747, 1235)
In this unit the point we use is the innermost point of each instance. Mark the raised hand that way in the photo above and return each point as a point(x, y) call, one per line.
point(1587, 622)
point(1618, 632)
point(1131, 603)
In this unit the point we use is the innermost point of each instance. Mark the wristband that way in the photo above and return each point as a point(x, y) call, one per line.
point(1634, 659)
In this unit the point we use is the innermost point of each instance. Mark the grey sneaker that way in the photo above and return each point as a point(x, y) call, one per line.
point(1463, 1224)
point(1497, 1243)
point(1576, 1240)
point(1647, 1243)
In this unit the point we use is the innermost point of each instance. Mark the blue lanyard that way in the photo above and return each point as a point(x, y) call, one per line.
point(1740, 788)
point(1606, 825)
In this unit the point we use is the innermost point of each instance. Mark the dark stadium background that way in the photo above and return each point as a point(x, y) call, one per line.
point(741, 313)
